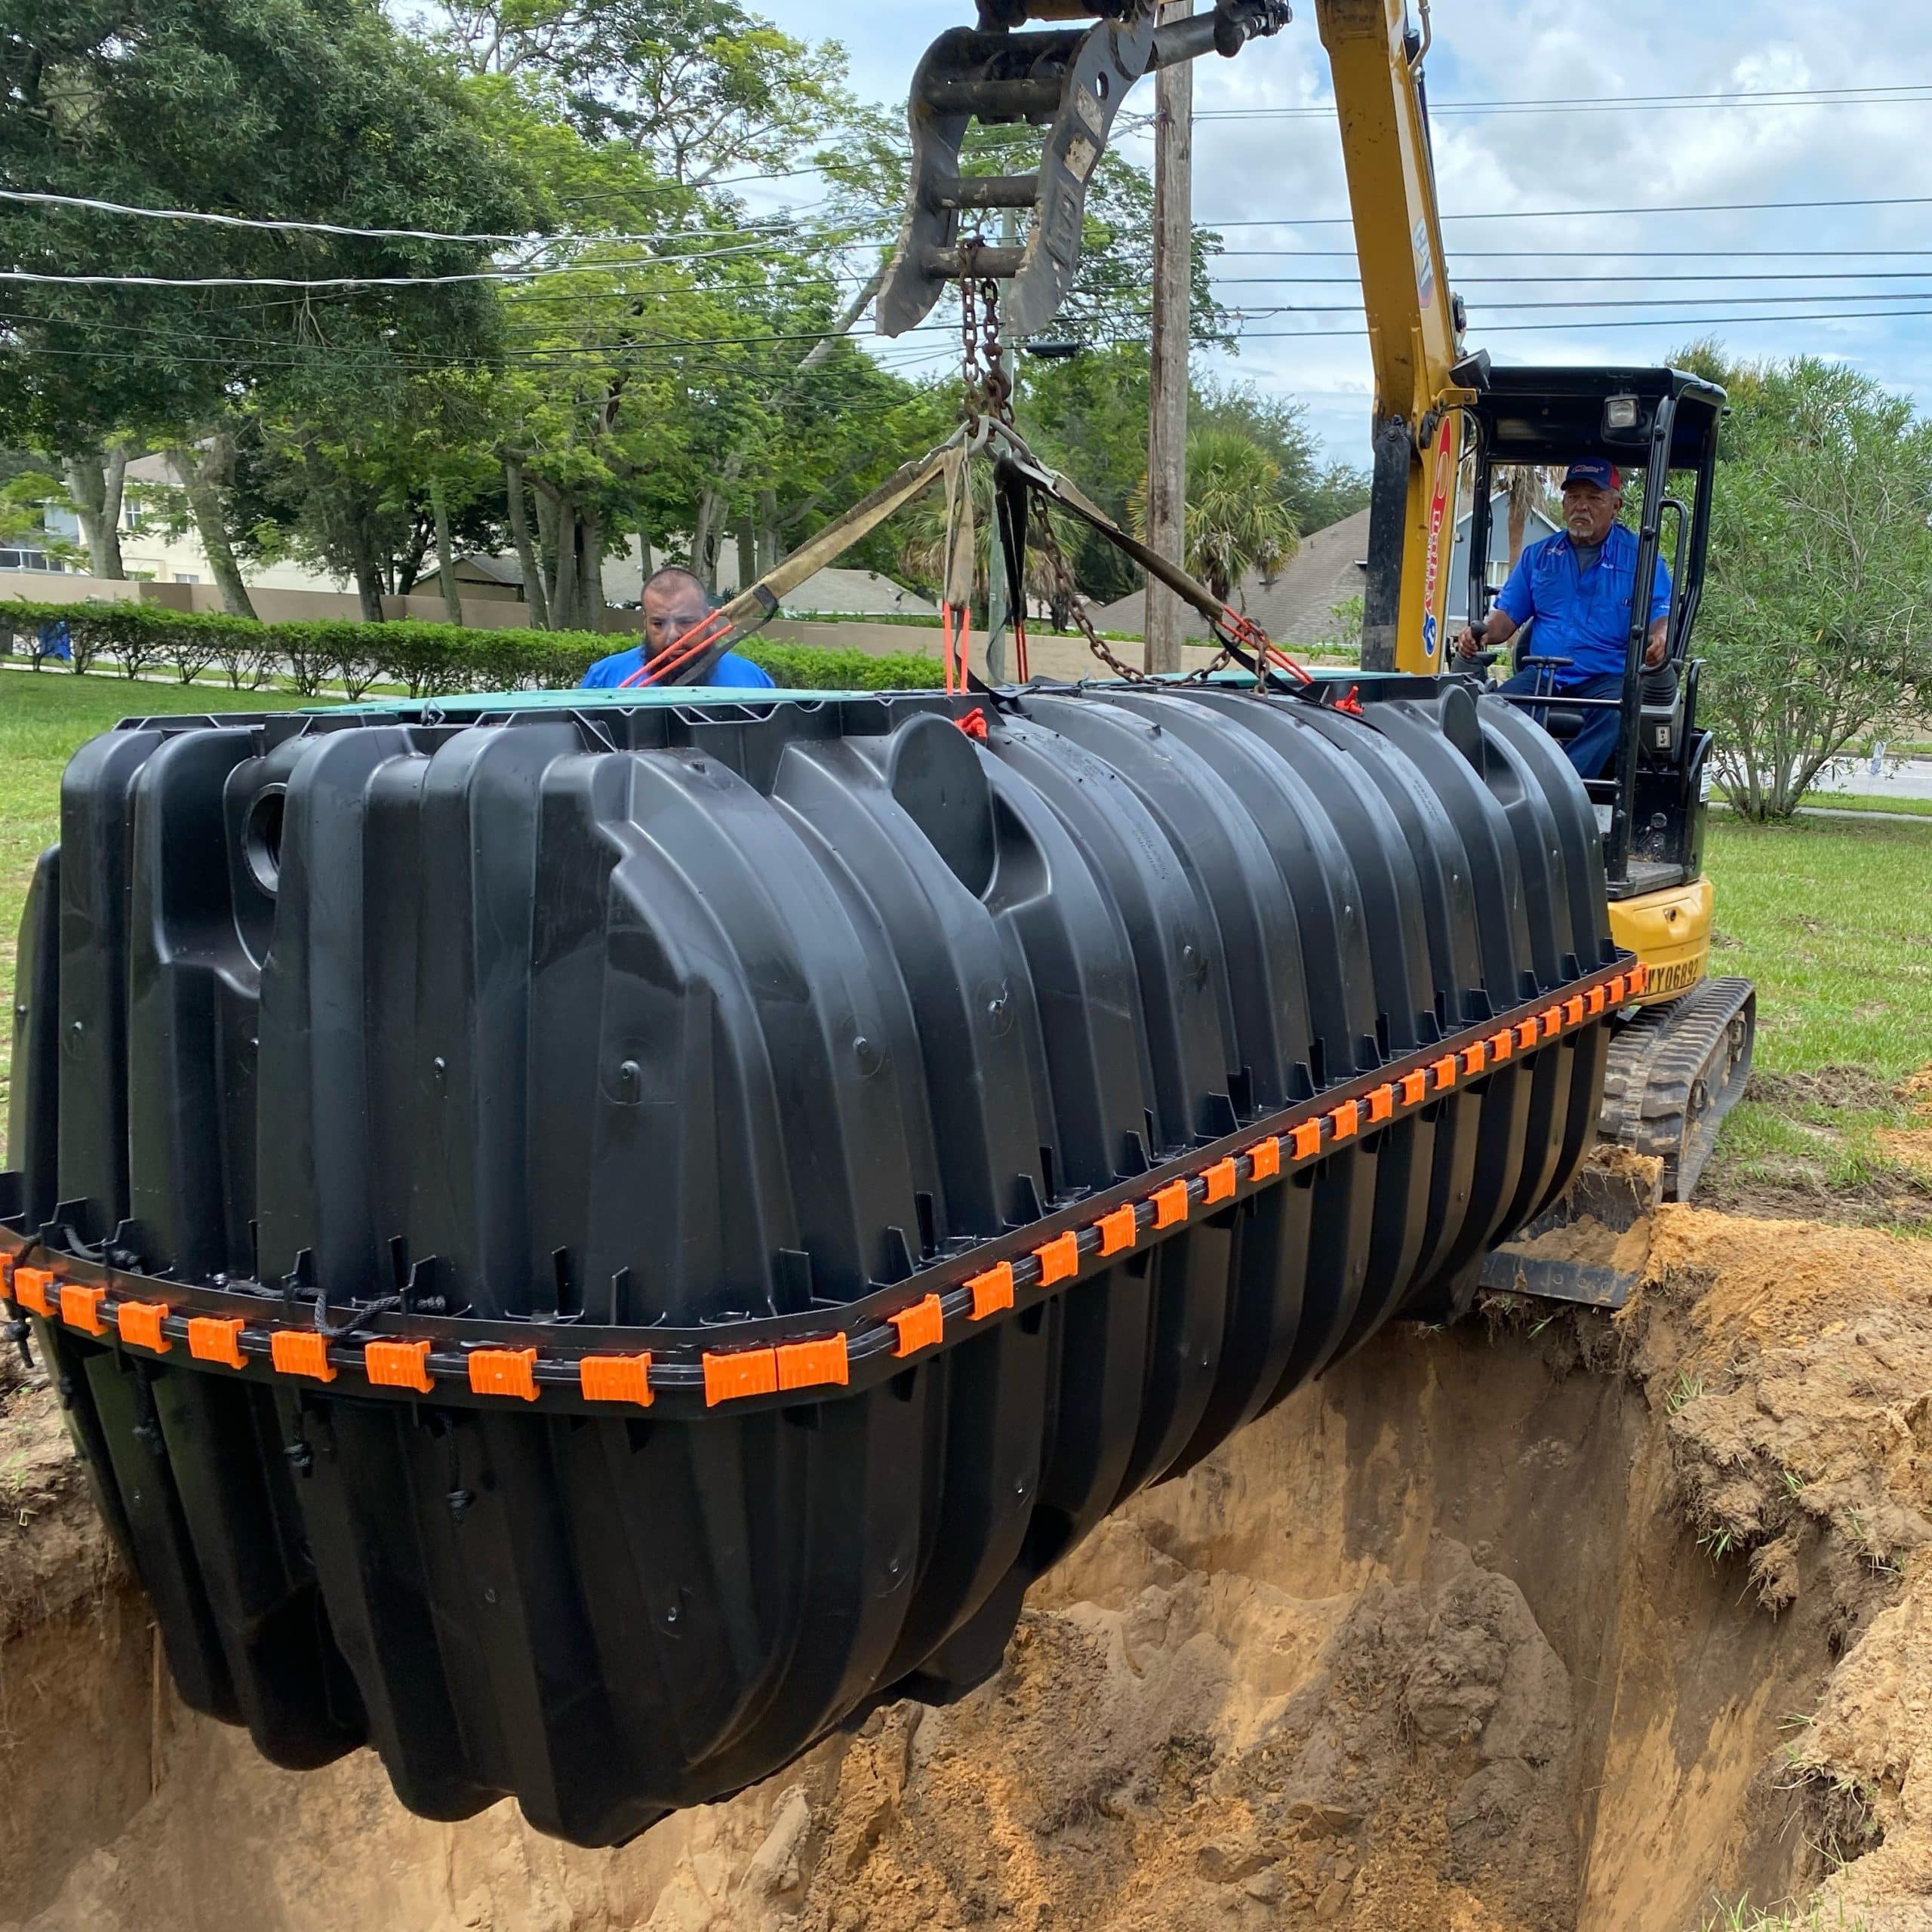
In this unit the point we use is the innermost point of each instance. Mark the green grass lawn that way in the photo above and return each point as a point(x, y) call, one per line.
point(1832, 917)
point(43, 715)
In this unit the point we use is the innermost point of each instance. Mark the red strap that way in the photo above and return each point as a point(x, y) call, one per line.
point(678, 653)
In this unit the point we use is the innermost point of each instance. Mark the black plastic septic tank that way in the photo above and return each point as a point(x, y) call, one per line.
point(584, 1241)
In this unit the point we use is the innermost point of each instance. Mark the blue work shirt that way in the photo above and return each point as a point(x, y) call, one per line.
point(1585, 618)
point(729, 670)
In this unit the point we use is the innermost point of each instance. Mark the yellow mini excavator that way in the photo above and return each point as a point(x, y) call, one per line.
point(1445, 420)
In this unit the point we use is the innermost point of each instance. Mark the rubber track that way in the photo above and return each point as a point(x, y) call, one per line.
point(1675, 1072)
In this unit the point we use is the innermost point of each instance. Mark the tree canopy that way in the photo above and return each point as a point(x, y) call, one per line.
point(1816, 625)
point(622, 353)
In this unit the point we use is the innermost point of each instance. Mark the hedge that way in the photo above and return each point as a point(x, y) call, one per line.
point(428, 660)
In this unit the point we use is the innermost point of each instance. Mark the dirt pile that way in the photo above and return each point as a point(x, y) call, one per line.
point(1433, 1646)
point(1796, 1368)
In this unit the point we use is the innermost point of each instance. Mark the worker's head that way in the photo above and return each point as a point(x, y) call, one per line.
point(675, 601)
point(1593, 494)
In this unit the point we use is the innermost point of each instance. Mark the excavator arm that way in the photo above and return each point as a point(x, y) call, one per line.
point(1070, 82)
point(1414, 327)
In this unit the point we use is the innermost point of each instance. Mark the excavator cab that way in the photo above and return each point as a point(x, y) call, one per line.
point(1659, 427)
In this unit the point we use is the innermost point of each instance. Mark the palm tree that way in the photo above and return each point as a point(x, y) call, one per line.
point(922, 527)
point(1527, 488)
point(1236, 521)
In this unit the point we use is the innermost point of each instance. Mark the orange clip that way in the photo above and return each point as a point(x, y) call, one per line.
point(1553, 1021)
point(503, 1372)
point(1529, 1033)
point(1444, 1071)
point(301, 1351)
point(617, 1379)
point(992, 1291)
point(1219, 1181)
point(812, 1364)
point(921, 1326)
point(1118, 1231)
point(1573, 1011)
point(30, 1288)
point(1640, 976)
point(217, 1338)
point(398, 1365)
point(1059, 1259)
point(1170, 1204)
point(1597, 1000)
point(736, 1372)
point(1414, 1086)
point(1264, 1159)
point(1617, 986)
point(80, 1308)
point(1306, 1140)
point(1381, 1102)
point(1475, 1058)
point(140, 1322)
point(1501, 1045)
point(1344, 1119)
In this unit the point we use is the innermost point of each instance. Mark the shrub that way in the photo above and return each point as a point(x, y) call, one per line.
point(427, 660)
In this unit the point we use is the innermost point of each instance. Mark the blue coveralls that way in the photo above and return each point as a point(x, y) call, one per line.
point(729, 670)
point(1585, 618)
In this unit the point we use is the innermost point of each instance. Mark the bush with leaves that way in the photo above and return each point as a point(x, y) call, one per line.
point(1816, 626)
point(426, 660)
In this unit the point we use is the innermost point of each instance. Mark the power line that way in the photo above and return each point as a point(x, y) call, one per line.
point(1576, 214)
point(787, 222)
point(1905, 94)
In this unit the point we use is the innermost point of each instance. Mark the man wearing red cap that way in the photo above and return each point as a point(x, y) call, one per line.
point(1578, 585)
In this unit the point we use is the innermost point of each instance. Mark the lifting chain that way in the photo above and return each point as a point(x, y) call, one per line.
point(1076, 604)
point(988, 389)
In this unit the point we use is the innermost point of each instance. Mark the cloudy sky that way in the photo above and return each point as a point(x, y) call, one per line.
point(1791, 135)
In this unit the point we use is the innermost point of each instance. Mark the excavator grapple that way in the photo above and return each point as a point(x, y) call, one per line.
point(585, 1241)
point(1070, 82)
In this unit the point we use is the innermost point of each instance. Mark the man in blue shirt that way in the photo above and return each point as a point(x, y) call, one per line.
point(675, 604)
point(1578, 585)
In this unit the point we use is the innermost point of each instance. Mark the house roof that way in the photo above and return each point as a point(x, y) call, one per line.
point(1325, 570)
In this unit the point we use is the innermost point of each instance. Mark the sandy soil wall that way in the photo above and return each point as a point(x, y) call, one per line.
point(1436, 1644)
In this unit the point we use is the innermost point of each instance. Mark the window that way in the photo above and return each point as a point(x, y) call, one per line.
point(187, 577)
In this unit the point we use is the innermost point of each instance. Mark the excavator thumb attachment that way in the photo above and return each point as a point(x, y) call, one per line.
point(1070, 81)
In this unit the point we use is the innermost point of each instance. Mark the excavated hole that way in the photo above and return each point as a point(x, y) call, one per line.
point(1527, 1626)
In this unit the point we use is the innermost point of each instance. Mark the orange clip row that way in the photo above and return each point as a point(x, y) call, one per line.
point(31, 1287)
point(141, 1323)
point(617, 1379)
point(992, 1291)
point(80, 1308)
point(921, 1326)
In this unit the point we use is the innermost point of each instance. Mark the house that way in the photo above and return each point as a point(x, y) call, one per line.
point(1536, 527)
point(159, 544)
point(1296, 605)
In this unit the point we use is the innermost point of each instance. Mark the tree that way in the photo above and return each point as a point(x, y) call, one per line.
point(703, 87)
point(315, 109)
point(1816, 626)
point(1316, 494)
point(1236, 520)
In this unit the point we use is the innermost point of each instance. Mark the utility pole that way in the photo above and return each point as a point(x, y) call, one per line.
point(1173, 262)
